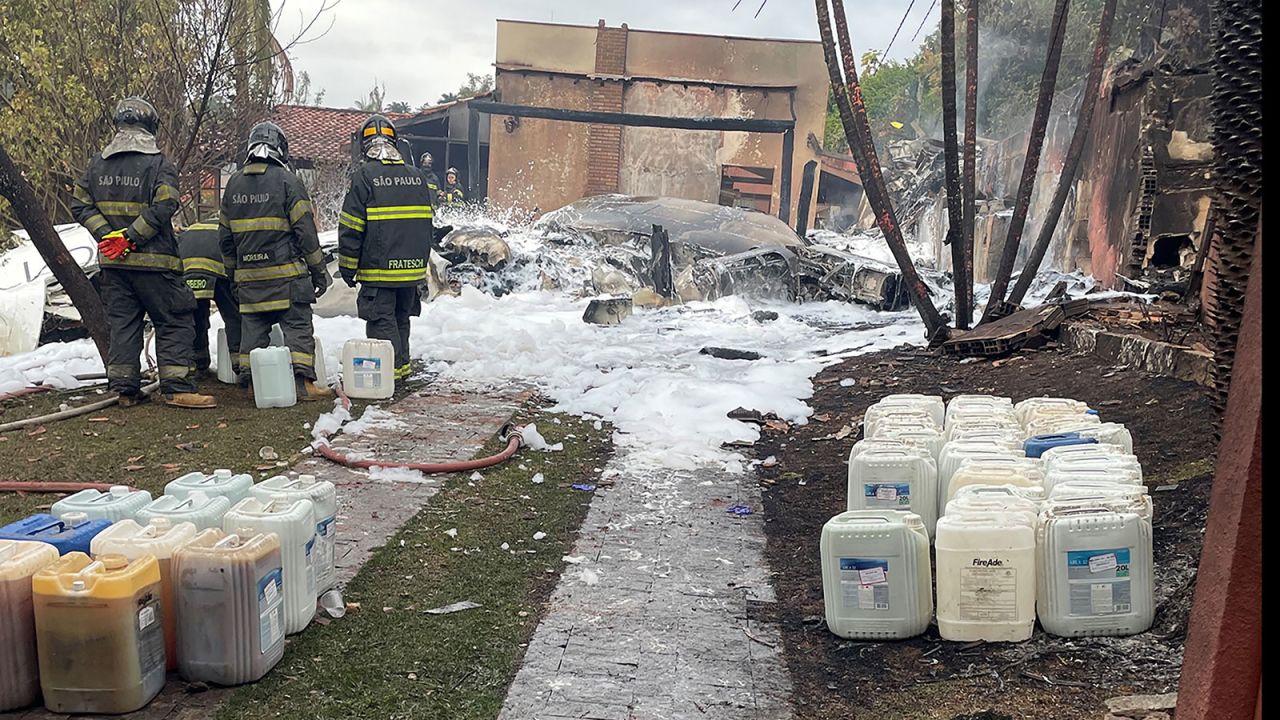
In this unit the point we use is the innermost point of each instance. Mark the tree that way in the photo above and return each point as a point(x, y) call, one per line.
point(15, 188)
point(475, 85)
point(375, 100)
point(400, 106)
point(212, 68)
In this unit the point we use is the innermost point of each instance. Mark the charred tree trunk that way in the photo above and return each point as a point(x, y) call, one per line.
point(1022, 204)
point(951, 154)
point(853, 117)
point(26, 206)
point(970, 189)
point(1075, 151)
point(1237, 167)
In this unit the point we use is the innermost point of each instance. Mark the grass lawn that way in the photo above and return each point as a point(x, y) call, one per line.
point(388, 658)
point(146, 446)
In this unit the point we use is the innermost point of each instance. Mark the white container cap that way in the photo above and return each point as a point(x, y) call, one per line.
point(119, 490)
point(74, 518)
point(222, 473)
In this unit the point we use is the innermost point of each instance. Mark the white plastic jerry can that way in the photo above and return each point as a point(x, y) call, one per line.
point(322, 371)
point(932, 403)
point(986, 576)
point(222, 483)
point(226, 372)
point(876, 579)
point(991, 403)
point(368, 369)
point(201, 510)
point(294, 522)
point(895, 479)
point(324, 497)
point(277, 336)
point(273, 384)
point(119, 503)
point(1096, 573)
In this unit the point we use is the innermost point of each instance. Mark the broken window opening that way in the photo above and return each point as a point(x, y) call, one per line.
point(1172, 251)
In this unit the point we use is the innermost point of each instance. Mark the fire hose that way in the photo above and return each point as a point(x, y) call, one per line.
point(511, 434)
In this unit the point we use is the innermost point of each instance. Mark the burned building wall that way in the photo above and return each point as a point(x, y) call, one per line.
point(546, 164)
point(688, 163)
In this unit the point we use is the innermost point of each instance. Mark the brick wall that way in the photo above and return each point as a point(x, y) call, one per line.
point(604, 142)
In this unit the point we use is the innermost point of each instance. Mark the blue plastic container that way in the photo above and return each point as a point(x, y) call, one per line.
point(72, 536)
point(1036, 446)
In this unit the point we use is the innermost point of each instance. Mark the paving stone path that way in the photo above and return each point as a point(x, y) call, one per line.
point(436, 425)
point(654, 621)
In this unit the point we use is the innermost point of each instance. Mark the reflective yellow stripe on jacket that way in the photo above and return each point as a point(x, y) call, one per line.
point(271, 272)
point(400, 212)
point(144, 260)
point(405, 276)
point(200, 264)
point(259, 223)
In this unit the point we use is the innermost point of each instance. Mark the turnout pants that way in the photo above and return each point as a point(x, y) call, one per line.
point(386, 312)
point(230, 311)
point(166, 299)
point(295, 321)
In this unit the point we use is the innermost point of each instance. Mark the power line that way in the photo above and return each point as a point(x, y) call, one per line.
point(901, 22)
point(924, 20)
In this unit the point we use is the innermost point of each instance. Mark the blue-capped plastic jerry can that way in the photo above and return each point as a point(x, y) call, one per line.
point(1036, 446)
point(74, 532)
point(273, 384)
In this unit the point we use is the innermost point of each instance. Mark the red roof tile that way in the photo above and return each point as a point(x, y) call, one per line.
point(320, 133)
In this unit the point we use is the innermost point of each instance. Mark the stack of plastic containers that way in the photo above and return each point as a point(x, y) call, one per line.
point(72, 533)
point(99, 633)
point(885, 477)
point(160, 539)
point(231, 622)
point(119, 503)
point(221, 483)
point(324, 497)
point(876, 574)
point(19, 674)
point(198, 509)
point(294, 522)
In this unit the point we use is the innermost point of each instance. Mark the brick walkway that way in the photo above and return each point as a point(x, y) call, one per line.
point(654, 622)
point(439, 425)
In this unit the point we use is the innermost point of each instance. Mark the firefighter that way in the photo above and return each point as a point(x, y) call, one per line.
point(268, 241)
point(205, 274)
point(425, 164)
point(451, 194)
point(126, 198)
point(384, 237)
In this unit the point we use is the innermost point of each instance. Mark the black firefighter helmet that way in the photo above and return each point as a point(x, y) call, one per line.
point(134, 111)
point(268, 142)
point(377, 127)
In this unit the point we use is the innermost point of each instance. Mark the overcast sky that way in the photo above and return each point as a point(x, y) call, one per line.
point(421, 48)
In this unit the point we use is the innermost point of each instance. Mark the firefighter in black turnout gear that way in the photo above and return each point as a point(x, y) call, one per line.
point(268, 240)
point(126, 198)
point(384, 237)
point(425, 165)
point(205, 274)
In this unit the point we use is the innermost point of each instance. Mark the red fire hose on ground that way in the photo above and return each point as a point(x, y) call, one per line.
point(325, 450)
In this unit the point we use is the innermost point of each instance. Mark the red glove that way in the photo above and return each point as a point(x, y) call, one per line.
point(115, 245)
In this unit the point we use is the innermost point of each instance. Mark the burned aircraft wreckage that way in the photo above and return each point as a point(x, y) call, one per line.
point(682, 250)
